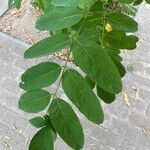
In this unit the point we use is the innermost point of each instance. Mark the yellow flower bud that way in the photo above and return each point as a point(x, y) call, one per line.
point(108, 27)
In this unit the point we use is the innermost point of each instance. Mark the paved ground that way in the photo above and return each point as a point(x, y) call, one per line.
point(4, 7)
point(127, 121)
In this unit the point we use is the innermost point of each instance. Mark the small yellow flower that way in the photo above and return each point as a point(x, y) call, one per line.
point(108, 27)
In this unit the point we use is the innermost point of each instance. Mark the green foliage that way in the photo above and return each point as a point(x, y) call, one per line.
point(94, 64)
point(122, 22)
point(17, 3)
point(34, 101)
point(37, 122)
point(119, 40)
point(45, 5)
point(49, 45)
point(79, 92)
point(59, 18)
point(39, 76)
point(42, 140)
point(94, 33)
point(129, 9)
point(66, 123)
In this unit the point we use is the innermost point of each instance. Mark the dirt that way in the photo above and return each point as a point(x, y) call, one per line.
point(21, 23)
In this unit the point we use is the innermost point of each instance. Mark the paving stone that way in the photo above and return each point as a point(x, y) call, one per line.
point(23, 64)
point(7, 58)
point(144, 27)
point(136, 67)
point(5, 132)
point(134, 79)
point(118, 108)
point(2, 77)
point(107, 121)
point(141, 147)
point(122, 147)
point(9, 139)
point(106, 148)
point(144, 94)
point(11, 86)
point(139, 106)
point(146, 82)
point(3, 110)
point(87, 125)
point(14, 121)
point(7, 99)
point(16, 110)
point(3, 6)
point(60, 145)
point(143, 53)
point(129, 136)
point(29, 131)
point(10, 72)
point(91, 144)
point(140, 121)
point(145, 140)
point(105, 137)
point(148, 111)
point(18, 48)
point(19, 143)
point(147, 72)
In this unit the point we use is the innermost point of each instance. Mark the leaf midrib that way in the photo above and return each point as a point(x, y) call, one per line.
point(37, 99)
point(60, 19)
point(61, 43)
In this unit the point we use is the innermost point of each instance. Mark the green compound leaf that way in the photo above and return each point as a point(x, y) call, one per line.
point(66, 123)
point(79, 92)
point(94, 32)
point(39, 76)
point(37, 122)
point(120, 21)
point(34, 101)
point(59, 18)
point(48, 46)
point(97, 64)
point(42, 140)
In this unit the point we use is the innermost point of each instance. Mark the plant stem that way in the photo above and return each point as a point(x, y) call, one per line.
point(64, 67)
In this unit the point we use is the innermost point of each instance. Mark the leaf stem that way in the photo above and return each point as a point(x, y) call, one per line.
point(64, 68)
point(65, 65)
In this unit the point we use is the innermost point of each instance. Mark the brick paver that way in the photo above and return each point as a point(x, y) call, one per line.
point(126, 126)
point(3, 6)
